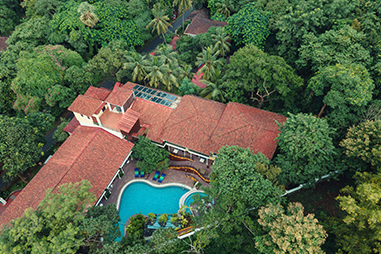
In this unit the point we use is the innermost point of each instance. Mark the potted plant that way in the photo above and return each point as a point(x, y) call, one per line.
point(163, 219)
point(152, 218)
point(175, 220)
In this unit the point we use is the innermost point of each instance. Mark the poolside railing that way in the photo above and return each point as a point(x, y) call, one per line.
point(190, 169)
point(184, 230)
point(178, 158)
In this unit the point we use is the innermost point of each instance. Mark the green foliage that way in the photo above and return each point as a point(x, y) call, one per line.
point(247, 26)
point(114, 24)
point(88, 17)
point(163, 218)
point(100, 222)
point(346, 89)
point(306, 149)
point(43, 122)
point(304, 17)
point(215, 87)
point(150, 156)
point(59, 134)
point(264, 76)
point(363, 141)
point(160, 21)
point(342, 46)
point(361, 230)
point(54, 227)
point(187, 87)
point(289, 231)
point(40, 8)
point(211, 62)
point(10, 12)
point(239, 191)
point(40, 77)
point(135, 230)
point(19, 146)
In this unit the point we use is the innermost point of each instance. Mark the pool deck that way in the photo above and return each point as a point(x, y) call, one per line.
point(171, 176)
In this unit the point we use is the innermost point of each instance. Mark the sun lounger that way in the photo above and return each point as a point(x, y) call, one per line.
point(141, 173)
point(161, 178)
point(156, 175)
point(136, 172)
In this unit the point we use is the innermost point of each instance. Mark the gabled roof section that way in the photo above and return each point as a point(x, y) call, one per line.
point(72, 125)
point(85, 105)
point(153, 116)
point(246, 126)
point(88, 154)
point(97, 93)
point(119, 95)
point(201, 25)
point(128, 120)
point(193, 122)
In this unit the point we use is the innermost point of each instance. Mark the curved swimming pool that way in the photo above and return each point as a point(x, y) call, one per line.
point(189, 200)
point(139, 196)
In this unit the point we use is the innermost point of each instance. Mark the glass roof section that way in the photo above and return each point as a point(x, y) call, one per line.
point(153, 95)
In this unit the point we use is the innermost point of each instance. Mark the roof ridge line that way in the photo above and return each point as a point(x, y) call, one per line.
point(87, 144)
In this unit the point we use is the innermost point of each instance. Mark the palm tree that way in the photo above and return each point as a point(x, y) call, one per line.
point(170, 80)
point(222, 45)
point(210, 62)
point(225, 7)
point(167, 54)
point(137, 63)
point(88, 17)
point(215, 88)
point(184, 71)
point(182, 6)
point(156, 72)
point(160, 21)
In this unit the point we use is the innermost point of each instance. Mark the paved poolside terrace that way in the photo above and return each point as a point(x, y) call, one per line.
point(171, 176)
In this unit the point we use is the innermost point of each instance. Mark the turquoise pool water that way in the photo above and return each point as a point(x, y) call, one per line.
point(141, 197)
point(188, 201)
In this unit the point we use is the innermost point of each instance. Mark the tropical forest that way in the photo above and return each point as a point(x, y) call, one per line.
point(316, 62)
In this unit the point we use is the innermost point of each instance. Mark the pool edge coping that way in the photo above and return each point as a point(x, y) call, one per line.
point(151, 184)
point(186, 195)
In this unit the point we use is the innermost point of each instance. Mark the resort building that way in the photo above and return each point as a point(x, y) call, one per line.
point(106, 122)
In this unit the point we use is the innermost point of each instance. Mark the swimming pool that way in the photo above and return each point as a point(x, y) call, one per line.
point(141, 196)
point(188, 201)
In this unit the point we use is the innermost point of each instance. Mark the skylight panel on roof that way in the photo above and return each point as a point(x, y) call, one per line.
point(153, 95)
point(158, 100)
point(168, 103)
point(138, 94)
point(144, 89)
point(163, 102)
point(137, 87)
point(152, 92)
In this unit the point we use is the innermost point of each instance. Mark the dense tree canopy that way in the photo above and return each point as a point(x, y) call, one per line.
point(289, 231)
point(239, 191)
point(306, 149)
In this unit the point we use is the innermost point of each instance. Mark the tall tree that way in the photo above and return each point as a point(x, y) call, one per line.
point(247, 26)
point(156, 72)
point(344, 88)
point(19, 146)
point(215, 88)
point(222, 46)
point(160, 22)
point(88, 16)
point(265, 77)
point(182, 6)
point(289, 231)
point(225, 7)
point(239, 191)
point(306, 149)
point(363, 142)
point(167, 54)
point(137, 64)
point(54, 227)
point(210, 62)
point(361, 230)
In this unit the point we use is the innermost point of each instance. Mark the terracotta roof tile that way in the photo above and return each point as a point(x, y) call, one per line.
point(119, 95)
point(88, 154)
point(72, 125)
point(128, 120)
point(3, 45)
point(97, 93)
point(201, 25)
point(85, 105)
point(153, 115)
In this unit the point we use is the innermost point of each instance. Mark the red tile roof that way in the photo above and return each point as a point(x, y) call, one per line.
point(3, 45)
point(88, 154)
point(206, 126)
point(97, 93)
point(128, 120)
point(197, 77)
point(72, 125)
point(85, 105)
point(173, 42)
point(119, 95)
point(152, 115)
point(201, 25)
